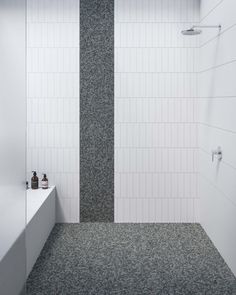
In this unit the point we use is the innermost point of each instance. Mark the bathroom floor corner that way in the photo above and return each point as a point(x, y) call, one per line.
point(109, 258)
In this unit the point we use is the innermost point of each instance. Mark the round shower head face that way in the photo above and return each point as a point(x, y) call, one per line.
point(191, 32)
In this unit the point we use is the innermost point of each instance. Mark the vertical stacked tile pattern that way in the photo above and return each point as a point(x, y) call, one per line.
point(53, 99)
point(156, 142)
point(97, 110)
point(217, 101)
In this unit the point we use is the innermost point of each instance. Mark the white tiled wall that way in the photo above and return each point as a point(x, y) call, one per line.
point(53, 99)
point(156, 141)
point(218, 126)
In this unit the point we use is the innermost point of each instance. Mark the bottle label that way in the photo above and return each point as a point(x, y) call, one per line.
point(34, 184)
point(44, 184)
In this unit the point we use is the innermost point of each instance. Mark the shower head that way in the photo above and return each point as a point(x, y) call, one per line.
point(191, 32)
point(194, 31)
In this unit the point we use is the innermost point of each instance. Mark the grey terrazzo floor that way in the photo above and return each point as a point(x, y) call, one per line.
point(108, 258)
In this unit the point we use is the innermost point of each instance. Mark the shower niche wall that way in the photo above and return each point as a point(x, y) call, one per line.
point(53, 81)
point(156, 131)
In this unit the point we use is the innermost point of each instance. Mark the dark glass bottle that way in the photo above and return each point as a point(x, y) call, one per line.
point(44, 182)
point(34, 181)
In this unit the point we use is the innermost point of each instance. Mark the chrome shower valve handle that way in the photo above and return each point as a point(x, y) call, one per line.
point(217, 153)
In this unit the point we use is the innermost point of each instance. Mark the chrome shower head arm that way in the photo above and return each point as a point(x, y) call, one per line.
point(206, 27)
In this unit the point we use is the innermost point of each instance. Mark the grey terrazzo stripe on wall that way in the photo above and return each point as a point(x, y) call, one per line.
point(96, 110)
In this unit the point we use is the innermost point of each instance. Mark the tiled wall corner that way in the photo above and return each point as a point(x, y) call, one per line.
point(217, 126)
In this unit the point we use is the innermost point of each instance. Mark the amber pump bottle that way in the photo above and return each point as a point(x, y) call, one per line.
point(34, 181)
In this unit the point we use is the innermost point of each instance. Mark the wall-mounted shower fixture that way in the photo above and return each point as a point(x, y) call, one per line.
point(218, 153)
point(195, 31)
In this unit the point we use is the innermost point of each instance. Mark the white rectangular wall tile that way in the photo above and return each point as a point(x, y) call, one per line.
point(217, 126)
point(53, 99)
point(156, 124)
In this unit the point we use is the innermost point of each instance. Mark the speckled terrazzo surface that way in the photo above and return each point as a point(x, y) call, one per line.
point(96, 110)
point(108, 258)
